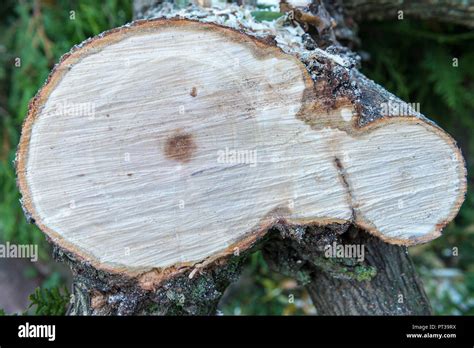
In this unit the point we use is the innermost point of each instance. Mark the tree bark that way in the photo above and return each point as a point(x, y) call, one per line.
point(394, 290)
point(383, 283)
point(450, 11)
point(97, 292)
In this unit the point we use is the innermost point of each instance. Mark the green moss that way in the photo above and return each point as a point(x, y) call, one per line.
point(266, 15)
point(202, 287)
point(345, 268)
point(364, 273)
point(152, 309)
point(303, 277)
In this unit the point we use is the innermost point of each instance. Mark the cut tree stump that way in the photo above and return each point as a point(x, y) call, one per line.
point(160, 153)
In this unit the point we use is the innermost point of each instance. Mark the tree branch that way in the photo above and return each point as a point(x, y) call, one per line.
point(449, 11)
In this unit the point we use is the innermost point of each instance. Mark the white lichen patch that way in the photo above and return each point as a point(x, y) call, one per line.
point(287, 34)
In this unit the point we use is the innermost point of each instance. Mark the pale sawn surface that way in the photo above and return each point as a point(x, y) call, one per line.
point(105, 180)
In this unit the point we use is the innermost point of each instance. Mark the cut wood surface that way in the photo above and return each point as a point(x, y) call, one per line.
point(171, 143)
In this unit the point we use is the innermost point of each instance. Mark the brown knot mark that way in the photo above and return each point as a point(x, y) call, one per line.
point(180, 147)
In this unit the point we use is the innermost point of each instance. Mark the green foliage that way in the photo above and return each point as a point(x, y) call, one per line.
point(261, 16)
point(46, 301)
point(51, 301)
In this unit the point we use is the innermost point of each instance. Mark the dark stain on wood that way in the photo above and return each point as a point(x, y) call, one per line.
point(180, 147)
point(194, 92)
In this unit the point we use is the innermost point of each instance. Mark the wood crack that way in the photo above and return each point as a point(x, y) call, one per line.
point(341, 171)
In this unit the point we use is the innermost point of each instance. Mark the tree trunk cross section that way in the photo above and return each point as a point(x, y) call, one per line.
point(165, 147)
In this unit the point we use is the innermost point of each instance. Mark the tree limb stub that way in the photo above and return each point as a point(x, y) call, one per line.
point(457, 12)
point(169, 144)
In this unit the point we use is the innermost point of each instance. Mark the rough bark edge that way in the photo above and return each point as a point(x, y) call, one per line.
point(188, 292)
point(363, 122)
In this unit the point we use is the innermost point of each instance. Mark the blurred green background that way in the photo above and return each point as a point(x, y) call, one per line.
point(413, 59)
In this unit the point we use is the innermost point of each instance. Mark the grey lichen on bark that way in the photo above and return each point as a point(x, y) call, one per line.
point(97, 292)
point(381, 281)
